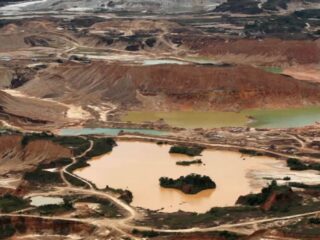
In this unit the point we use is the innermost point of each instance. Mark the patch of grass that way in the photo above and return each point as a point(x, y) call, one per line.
point(10, 203)
point(190, 151)
point(276, 70)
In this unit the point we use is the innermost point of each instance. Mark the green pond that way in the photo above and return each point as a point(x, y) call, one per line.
point(263, 118)
point(107, 131)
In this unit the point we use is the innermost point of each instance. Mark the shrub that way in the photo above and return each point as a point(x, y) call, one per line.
point(190, 151)
point(191, 184)
point(10, 203)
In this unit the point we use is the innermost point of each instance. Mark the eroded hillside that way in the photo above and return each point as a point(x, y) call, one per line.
point(172, 86)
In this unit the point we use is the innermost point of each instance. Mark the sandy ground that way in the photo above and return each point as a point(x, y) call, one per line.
point(11, 183)
point(73, 112)
point(77, 112)
point(304, 72)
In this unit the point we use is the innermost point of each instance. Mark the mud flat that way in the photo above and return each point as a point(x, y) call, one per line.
point(137, 166)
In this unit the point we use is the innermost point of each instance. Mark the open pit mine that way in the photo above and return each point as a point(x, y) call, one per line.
point(160, 119)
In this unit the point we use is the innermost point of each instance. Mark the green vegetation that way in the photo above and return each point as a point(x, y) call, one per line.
point(305, 186)
point(190, 184)
point(225, 235)
point(125, 195)
point(106, 208)
point(240, 6)
point(75, 181)
point(52, 209)
point(297, 165)
point(10, 203)
point(40, 176)
point(273, 5)
point(276, 70)
point(255, 199)
point(308, 13)
point(179, 220)
point(314, 221)
point(250, 152)
point(188, 163)
point(145, 234)
point(78, 144)
point(305, 228)
point(190, 151)
point(81, 163)
point(276, 25)
point(101, 146)
point(284, 199)
point(56, 163)
point(6, 230)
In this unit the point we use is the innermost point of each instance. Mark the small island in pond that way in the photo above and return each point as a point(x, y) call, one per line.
point(190, 151)
point(188, 163)
point(190, 184)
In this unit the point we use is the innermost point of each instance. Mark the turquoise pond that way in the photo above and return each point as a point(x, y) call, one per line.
point(107, 131)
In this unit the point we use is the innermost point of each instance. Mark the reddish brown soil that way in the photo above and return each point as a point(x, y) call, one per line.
point(283, 51)
point(14, 157)
point(28, 112)
point(209, 87)
point(25, 225)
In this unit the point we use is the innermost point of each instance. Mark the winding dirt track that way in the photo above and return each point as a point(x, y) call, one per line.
point(74, 160)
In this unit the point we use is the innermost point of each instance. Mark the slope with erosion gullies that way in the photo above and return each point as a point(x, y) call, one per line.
point(207, 87)
point(269, 50)
point(27, 111)
point(18, 158)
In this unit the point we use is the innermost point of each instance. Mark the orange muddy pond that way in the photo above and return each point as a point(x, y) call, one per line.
point(137, 166)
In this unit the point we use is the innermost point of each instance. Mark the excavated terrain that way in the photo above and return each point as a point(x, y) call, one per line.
point(78, 64)
point(22, 111)
point(14, 157)
point(196, 86)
